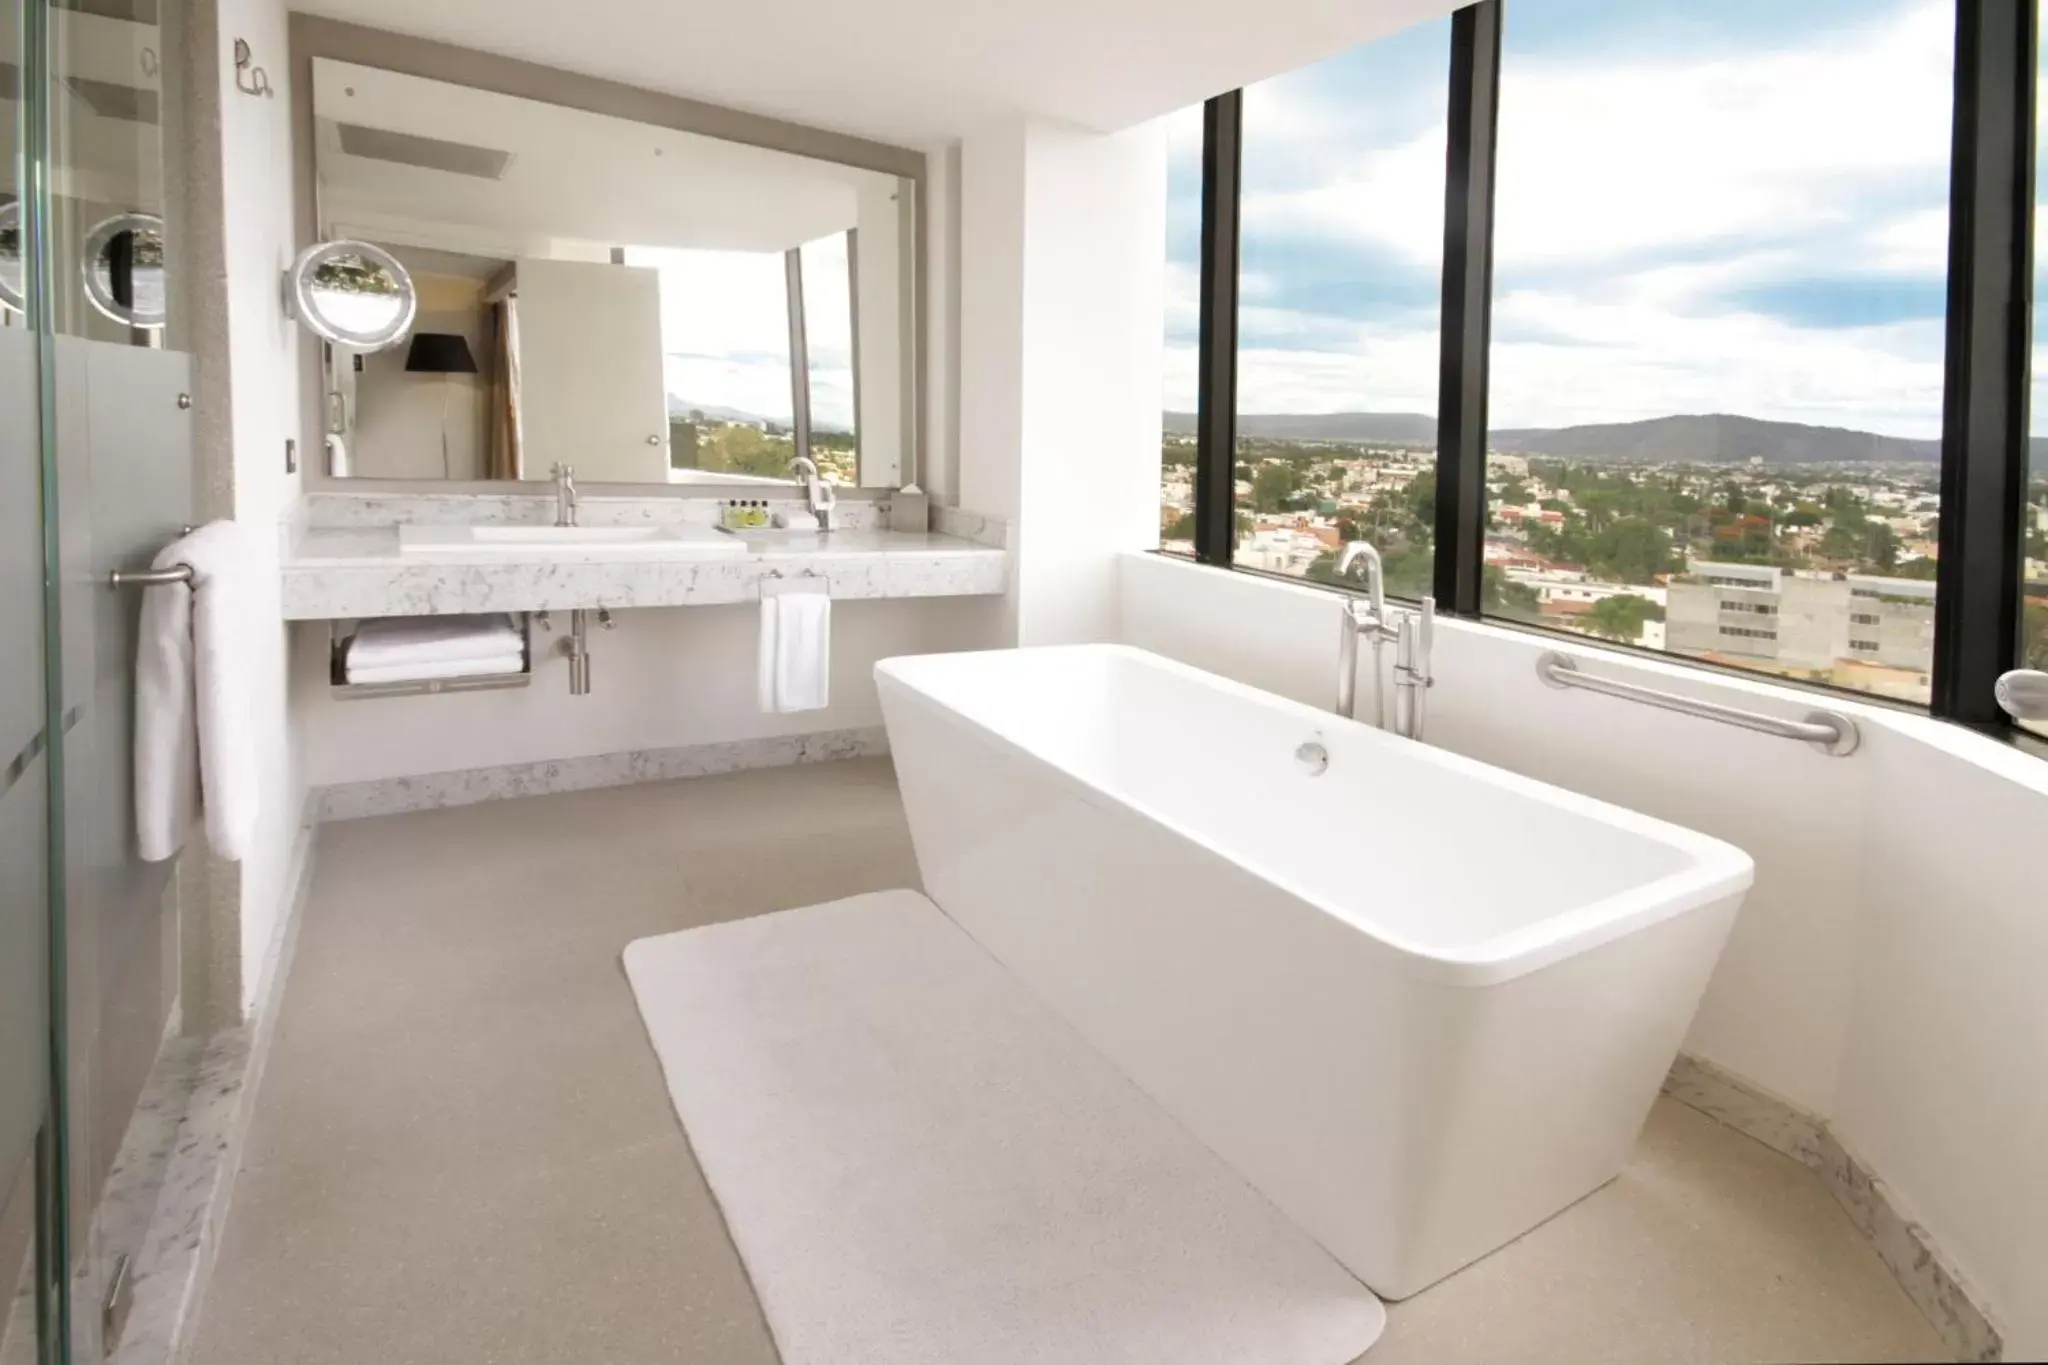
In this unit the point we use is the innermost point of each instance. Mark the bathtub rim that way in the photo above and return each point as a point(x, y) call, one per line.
point(1715, 871)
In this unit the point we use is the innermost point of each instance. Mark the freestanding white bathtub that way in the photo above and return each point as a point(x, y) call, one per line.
point(1420, 1003)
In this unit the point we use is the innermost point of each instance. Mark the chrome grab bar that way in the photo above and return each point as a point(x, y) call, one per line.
point(150, 578)
point(1829, 731)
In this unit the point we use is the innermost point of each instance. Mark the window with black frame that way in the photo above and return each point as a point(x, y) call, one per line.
point(1719, 310)
point(1339, 292)
point(2033, 648)
point(1743, 389)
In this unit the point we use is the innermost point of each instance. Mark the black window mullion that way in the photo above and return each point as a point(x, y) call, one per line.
point(1990, 306)
point(1467, 308)
point(1216, 380)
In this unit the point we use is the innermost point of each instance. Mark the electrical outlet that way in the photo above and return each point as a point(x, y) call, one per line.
point(291, 456)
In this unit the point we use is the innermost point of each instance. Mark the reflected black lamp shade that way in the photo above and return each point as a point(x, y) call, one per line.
point(439, 353)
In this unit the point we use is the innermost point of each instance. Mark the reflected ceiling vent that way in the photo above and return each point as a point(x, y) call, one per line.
point(134, 11)
point(429, 153)
point(108, 100)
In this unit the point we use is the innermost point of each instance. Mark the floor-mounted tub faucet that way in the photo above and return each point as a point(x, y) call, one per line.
point(567, 499)
point(1412, 633)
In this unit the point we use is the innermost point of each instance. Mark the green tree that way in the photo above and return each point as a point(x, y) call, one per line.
point(1803, 514)
point(1503, 596)
point(1621, 617)
point(1274, 487)
point(1420, 496)
point(742, 449)
point(2034, 643)
point(1632, 551)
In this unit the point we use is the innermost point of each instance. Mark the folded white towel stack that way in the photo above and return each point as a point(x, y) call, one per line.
point(194, 697)
point(796, 650)
point(419, 648)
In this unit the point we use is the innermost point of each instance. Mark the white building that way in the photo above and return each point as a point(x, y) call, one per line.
point(1805, 620)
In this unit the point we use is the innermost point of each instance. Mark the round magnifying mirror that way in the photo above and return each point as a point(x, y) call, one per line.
point(13, 283)
point(352, 294)
point(124, 269)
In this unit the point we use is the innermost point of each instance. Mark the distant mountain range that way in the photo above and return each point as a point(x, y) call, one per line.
point(1394, 428)
point(682, 407)
point(1715, 438)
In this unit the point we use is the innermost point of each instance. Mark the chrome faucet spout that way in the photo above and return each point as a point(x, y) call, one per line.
point(567, 500)
point(818, 495)
point(1411, 633)
point(1375, 572)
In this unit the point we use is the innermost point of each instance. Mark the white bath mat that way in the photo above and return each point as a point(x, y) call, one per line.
point(923, 1165)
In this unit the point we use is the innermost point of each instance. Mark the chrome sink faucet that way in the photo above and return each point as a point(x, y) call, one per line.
point(818, 495)
point(567, 499)
point(1412, 633)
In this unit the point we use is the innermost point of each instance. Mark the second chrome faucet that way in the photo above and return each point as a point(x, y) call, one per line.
point(1412, 633)
point(567, 500)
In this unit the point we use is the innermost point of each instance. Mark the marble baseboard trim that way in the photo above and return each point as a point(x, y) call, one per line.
point(364, 511)
point(975, 526)
point(208, 1089)
point(1749, 1109)
point(433, 791)
point(1929, 1279)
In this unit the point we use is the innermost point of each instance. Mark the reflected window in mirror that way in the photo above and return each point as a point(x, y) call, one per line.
point(726, 364)
point(829, 350)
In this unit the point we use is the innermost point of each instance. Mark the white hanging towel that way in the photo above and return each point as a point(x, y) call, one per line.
point(796, 650)
point(194, 698)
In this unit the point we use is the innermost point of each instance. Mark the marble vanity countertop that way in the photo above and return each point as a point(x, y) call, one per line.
point(331, 573)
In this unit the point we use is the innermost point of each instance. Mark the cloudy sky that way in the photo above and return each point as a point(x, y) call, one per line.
point(725, 329)
point(1704, 206)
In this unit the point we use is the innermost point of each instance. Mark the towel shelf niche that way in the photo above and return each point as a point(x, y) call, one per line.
point(342, 631)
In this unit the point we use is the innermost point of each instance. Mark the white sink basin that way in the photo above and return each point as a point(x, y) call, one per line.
point(666, 542)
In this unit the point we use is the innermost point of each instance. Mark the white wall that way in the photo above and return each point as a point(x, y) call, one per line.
point(885, 291)
point(991, 331)
point(256, 165)
point(1944, 1083)
point(1062, 288)
point(665, 678)
point(401, 418)
point(591, 392)
point(939, 472)
point(1890, 968)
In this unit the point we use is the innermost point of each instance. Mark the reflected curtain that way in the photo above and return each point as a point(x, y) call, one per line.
point(503, 460)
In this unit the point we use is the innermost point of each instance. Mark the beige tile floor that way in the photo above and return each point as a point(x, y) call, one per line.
point(463, 1151)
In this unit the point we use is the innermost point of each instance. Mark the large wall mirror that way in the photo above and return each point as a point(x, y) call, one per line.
point(644, 304)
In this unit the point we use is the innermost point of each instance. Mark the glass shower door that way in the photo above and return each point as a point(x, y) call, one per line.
point(118, 432)
point(30, 1137)
point(95, 474)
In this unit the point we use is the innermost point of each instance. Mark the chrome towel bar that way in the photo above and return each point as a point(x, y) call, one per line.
point(150, 578)
point(1829, 731)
